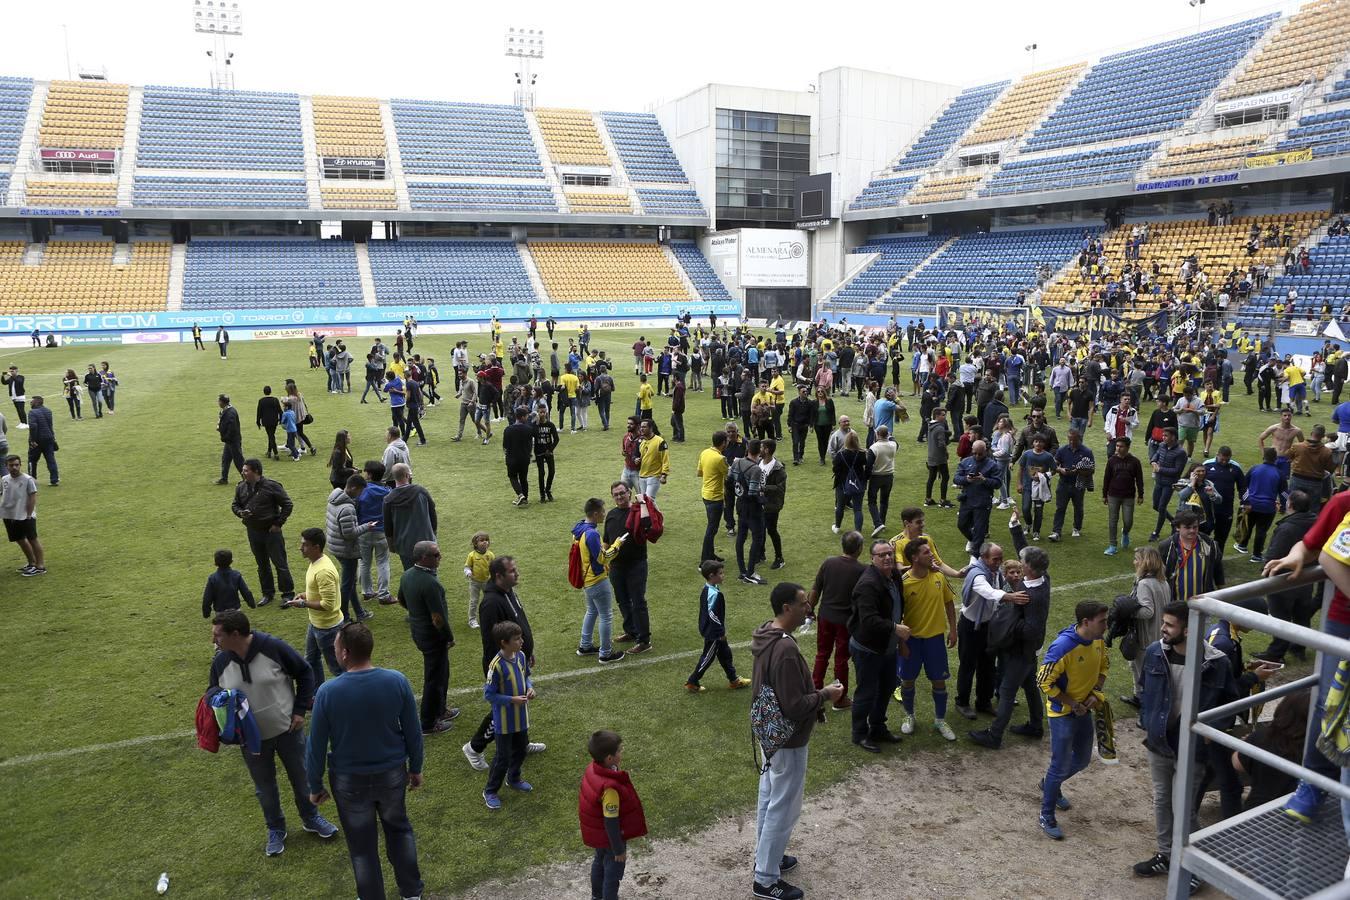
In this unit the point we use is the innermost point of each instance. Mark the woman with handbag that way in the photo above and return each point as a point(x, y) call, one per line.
point(302, 417)
point(851, 472)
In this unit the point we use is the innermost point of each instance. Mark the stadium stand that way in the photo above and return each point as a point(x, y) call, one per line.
point(1147, 90)
point(1311, 42)
point(1218, 249)
point(439, 138)
point(196, 128)
point(79, 277)
point(348, 126)
point(1206, 156)
point(1325, 133)
point(883, 192)
point(936, 190)
point(202, 191)
point(899, 255)
point(269, 273)
point(582, 201)
point(1073, 170)
point(1022, 106)
point(15, 95)
point(70, 193)
point(570, 137)
point(4, 184)
point(451, 195)
point(670, 203)
point(85, 115)
point(986, 269)
point(1327, 281)
point(948, 127)
point(696, 266)
point(459, 272)
point(642, 147)
point(1340, 90)
point(347, 197)
point(606, 270)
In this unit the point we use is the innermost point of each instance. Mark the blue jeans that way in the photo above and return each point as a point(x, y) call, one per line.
point(1312, 757)
point(319, 648)
point(606, 873)
point(780, 804)
point(1071, 739)
point(351, 603)
point(290, 747)
point(361, 800)
point(599, 597)
point(1078, 425)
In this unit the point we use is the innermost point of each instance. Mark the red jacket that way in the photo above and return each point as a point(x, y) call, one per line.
point(645, 522)
point(594, 781)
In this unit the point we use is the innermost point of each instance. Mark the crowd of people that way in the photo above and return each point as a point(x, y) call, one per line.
point(895, 617)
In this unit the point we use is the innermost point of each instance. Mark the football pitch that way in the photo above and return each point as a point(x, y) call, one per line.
point(107, 655)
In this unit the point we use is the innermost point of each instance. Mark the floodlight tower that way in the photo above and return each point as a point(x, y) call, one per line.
point(221, 19)
point(1032, 48)
point(525, 44)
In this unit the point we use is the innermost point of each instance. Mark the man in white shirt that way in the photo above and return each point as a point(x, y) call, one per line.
point(984, 588)
point(1121, 421)
point(18, 509)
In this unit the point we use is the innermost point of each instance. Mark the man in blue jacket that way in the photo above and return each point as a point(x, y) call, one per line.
point(1160, 700)
point(1168, 461)
point(979, 477)
point(1075, 464)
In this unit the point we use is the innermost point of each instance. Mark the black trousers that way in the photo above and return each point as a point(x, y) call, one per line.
point(630, 595)
point(269, 549)
point(519, 473)
point(413, 422)
point(751, 515)
point(509, 758)
point(714, 649)
point(977, 664)
point(771, 529)
point(879, 486)
point(271, 438)
point(874, 682)
point(822, 439)
point(934, 473)
point(799, 433)
point(1016, 673)
point(545, 466)
point(1293, 606)
point(435, 681)
point(231, 454)
point(1067, 492)
point(23, 416)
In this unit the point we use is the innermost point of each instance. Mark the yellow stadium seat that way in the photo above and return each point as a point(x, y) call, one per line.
point(606, 270)
point(1309, 45)
point(570, 136)
point(85, 115)
point(80, 276)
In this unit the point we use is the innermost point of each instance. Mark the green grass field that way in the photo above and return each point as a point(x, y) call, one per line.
point(111, 646)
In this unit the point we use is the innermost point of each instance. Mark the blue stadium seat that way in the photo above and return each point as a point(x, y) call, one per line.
point(670, 203)
point(268, 273)
point(986, 269)
point(204, 191)
point(948, 127)
point(522, 197)
point(1328, 280)
point(196, 128)
point(1149, 89)
point(1327, 133)
point(643, 149)
point(1340, 90)
point(15, 94)
point(705, 280)
point(439, 138)
point(455, 272)
point(1073, 170)
point(899, 255)
point(885, 191)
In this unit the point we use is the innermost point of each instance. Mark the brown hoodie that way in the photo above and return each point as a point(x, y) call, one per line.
point(779, 664)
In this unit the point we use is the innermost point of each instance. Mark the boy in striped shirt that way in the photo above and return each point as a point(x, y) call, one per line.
point(509, 690)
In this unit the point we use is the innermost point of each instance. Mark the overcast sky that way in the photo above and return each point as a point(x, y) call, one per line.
point(600, 54)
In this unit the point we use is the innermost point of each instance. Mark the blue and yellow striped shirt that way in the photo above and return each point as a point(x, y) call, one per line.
point(507, 677)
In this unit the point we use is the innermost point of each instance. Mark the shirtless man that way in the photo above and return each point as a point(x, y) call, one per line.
point(1282, 437)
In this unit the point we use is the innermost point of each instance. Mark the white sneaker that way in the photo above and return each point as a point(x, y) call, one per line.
point(23, 426)
point(536, 747)
point(473, 623)
point(907, 725)
point(475, 759)
point(1077, 533)
point(942, 728)
point(834, 528)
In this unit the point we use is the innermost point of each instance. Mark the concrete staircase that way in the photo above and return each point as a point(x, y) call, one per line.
point(28, 139)
point(312, 191)
point(536, 280)
point(619, 178)
point(394, 164)
point(368, 297)
point(909, 276)
point(121, 255)
point(126, 161)
point(177, 272)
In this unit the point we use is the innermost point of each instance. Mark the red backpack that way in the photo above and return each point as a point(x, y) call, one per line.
point(576, 573)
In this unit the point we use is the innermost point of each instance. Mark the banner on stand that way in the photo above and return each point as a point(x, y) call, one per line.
point(1097, 322)
point(956, 318)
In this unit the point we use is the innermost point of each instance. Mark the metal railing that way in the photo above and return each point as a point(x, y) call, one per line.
point(1219, 854)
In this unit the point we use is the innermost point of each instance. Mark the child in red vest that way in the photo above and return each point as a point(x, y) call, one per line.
point(611, 814)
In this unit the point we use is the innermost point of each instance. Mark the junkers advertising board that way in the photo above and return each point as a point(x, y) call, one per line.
point(773, 257)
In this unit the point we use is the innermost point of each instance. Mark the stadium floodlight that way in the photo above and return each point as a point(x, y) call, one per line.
point(1199, 7)
point(527, 45)
point(217, 17)
point(1032, 48)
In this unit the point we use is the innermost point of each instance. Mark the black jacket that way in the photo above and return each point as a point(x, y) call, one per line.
point(518, 443)
point(228, 426)
point(802, 412)
point(269, 411)
point(872, 623)
point(499, 606)
point(262, 504)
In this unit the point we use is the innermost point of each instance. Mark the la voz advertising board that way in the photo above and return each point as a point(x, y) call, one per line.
point(353, 316)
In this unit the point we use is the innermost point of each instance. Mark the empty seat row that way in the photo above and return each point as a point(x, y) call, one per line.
point(455, 272)
point(15, 95)
point(437, 138)
point(1022, 106)
point(65, 193)
point(938, 138)
point(521, 196)
point(884, 191)
point(581, 201)
point(1326, 134)
point(695, 265)
point(642, 147)
point(188, 191)
point(344, 197)
point(606, 270)
point(899, 255)
point(246, 273)
point(187, 128)
point(1310, 43)
point(79, 276)
point(1073, 170)
point(1207, 156)
point(670, 203)
point(348, 126)
point(938, 190)
point(86, 115)
point(570, 136)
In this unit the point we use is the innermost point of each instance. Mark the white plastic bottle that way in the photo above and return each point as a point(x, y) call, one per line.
point(163, 886)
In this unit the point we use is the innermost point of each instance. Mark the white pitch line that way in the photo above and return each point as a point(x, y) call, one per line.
point(628, 663)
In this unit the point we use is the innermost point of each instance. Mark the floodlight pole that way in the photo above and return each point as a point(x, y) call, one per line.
point(221, 20)
point(525, 44)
